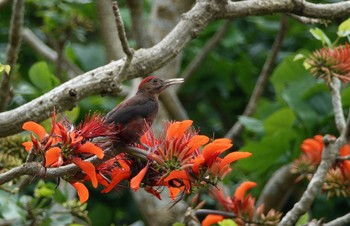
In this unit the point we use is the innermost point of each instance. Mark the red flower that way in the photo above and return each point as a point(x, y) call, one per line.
point(331, 62)
point(211, 219)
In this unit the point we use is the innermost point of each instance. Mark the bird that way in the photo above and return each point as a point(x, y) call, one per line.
point(133, 117)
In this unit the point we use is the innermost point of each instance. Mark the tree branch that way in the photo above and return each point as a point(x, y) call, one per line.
point(337, 105)
point(51, 55)
point(138, 23)
point(297, 7)
point(37, 169)
point(13, 47)
point(107, 30)
point(124, 41)
point(329, 154)
point(344, 220)
point(262, 79)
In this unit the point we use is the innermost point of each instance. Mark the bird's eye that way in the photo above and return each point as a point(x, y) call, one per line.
point(155, 80)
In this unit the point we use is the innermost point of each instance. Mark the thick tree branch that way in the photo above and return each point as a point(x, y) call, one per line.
point(36, 169)
point(13, 47)
point(262, 79)
point(297, 7)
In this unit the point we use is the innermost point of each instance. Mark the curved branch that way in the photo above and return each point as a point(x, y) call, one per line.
point(15, 39)
point(37, 169)
point(297, 7)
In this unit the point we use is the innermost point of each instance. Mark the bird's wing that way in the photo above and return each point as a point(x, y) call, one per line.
point(133, 108)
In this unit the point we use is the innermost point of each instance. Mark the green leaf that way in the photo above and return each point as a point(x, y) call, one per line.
point(344, 28)
point(41, 77)
point(303, 220)
point(6, 68)
point(320, 35)
point(227, 222)
point(299, 56)
point(73, 114)
point(251, 124)
point(282, 119)
point(179, 224)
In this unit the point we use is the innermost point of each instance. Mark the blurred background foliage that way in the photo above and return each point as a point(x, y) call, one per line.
point(295, 106)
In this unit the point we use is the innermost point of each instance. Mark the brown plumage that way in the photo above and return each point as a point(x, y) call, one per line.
point(133, 117)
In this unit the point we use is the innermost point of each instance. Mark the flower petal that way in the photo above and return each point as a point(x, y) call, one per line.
point(242, 189)
point(197, 162)
point(89, 147)
point(197, 141)
point(116, 179)
point(234, 156)
point(88, 168)
point(211, 219)
point(52, 155)
point(28, 145)
point(82, 191)
point(176, 129)
point(213, 149)
point(35, 128)
point(136, 180)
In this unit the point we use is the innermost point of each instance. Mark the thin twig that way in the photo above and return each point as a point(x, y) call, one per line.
point(307, 20)
point(329, 154)
point(13, 47)
point(344, 220)
point(124, 41)
point(204, 212)
point(337, 105)
point(138, 23)
point(208, 47)
point(342, 158)
point(262, 79)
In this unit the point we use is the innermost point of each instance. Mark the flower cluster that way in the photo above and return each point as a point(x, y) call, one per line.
point(65, 144)
point(179, 159)
point(337, 181)
point(327, 63)
point(243, 206)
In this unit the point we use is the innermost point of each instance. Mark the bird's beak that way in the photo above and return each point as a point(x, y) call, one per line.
point(173, 81)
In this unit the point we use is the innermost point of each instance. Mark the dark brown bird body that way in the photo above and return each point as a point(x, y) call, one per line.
point(133, 117)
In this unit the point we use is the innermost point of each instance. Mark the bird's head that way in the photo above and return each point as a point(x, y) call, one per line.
point(154, 85)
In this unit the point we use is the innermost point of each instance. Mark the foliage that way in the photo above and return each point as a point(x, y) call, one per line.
point(295, 106)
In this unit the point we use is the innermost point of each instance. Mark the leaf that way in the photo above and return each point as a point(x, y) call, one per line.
point(303, 220)
point(6, 68)
point(320, 35)
point(227, 222)
point(282, 119)
point(252, 124)
point(299, 56)
point(344, 28)
point(41, 77)
point(178, 224)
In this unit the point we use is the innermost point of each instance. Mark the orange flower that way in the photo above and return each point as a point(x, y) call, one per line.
point(312, 149)
point(242, 190)
point(211, 219)
point(327, 63)
point(136, 181)
point(82, 191)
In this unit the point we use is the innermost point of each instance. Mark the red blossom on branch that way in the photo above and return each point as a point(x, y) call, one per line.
point(328, 62)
